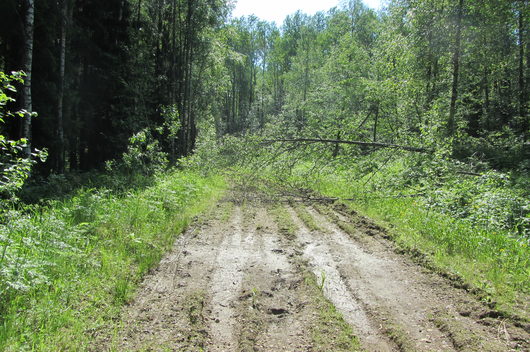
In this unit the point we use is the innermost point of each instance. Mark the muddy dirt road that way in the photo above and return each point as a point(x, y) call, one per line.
point(294, 277)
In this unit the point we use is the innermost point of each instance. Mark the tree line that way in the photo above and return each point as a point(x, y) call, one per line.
point(447, 75)
point(451, 76)
point(99, 71)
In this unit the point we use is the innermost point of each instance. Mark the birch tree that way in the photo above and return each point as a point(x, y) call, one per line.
point(28, 66)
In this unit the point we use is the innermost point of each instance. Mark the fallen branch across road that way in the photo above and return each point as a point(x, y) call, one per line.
point(367, 144)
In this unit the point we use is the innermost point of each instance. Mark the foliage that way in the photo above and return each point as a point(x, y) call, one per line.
point(172, 121)
point(143, 156)
point(226, 91)
point(355, 74)
point(15, 166)
point(67, 267)
point(472, 226)
point(490, 199)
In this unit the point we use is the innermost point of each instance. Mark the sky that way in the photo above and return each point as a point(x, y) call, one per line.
point(277, 10)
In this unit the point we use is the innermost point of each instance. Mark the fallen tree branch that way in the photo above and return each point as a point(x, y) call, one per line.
point(469, 173)
point(367, 144)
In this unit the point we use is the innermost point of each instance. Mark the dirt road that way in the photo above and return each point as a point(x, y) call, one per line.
point(258, 277)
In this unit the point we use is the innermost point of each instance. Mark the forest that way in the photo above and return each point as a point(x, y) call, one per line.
point(123, 121)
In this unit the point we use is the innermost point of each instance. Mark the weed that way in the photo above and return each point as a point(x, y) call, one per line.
point(322, 280)
point(255, 296)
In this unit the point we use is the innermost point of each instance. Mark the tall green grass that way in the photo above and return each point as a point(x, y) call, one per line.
point(67, 268)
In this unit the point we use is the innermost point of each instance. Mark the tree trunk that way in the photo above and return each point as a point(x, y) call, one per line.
point(456, 70)
point(28, 65)
point(336, 150)
point(526, 92)
point(60, 99)
point(364, 144)
point(262, 112)
point(376, 120)
point(522, 93)
point(138, 12)
point(173, 77)
point(486, 105)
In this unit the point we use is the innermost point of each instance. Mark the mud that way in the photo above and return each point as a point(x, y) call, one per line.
point(237, 282)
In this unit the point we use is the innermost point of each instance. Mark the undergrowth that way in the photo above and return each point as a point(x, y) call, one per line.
point(67, 268)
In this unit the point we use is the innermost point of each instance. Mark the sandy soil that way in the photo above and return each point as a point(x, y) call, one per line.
point(235, 282)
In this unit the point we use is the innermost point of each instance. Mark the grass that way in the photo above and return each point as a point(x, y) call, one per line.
point(286, 225)
point(465, 339)
point(307, 218)
point(493, 262)
point(329, 332)
point(68, 268)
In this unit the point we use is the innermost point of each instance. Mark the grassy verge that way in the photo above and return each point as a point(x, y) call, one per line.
point(67, 269)
point(495, 263)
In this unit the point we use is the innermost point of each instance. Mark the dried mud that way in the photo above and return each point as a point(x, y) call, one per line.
point(236, 282)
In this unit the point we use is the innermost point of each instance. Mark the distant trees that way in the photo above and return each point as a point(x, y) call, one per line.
point(448, 74)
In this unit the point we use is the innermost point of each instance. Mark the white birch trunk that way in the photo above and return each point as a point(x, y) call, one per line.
point(28, 64)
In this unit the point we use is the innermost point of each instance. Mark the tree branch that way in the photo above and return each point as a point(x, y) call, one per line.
point(367, 144)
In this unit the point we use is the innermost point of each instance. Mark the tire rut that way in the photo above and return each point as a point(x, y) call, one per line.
point(273, 315)
point(326, 268)
point(237, 282)
point(417, 308)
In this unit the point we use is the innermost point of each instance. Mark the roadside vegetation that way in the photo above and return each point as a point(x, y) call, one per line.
point(68, 266)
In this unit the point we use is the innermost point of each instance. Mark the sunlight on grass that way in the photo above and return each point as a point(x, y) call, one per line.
point(68, 268)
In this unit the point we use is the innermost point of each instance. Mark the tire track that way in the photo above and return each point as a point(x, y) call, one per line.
point(401, 296)
point(233, 255)
point(278, 319)
point(325, 267)
point(240, 282)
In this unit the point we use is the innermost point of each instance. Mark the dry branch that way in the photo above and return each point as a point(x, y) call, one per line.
point(367, 144)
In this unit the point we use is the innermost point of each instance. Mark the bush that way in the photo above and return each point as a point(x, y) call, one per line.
point(15, 165)
point(143, 156)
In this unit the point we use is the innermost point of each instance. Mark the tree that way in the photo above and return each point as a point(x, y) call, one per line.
point(66, 8)
point(28, 67)
point(456, 68)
